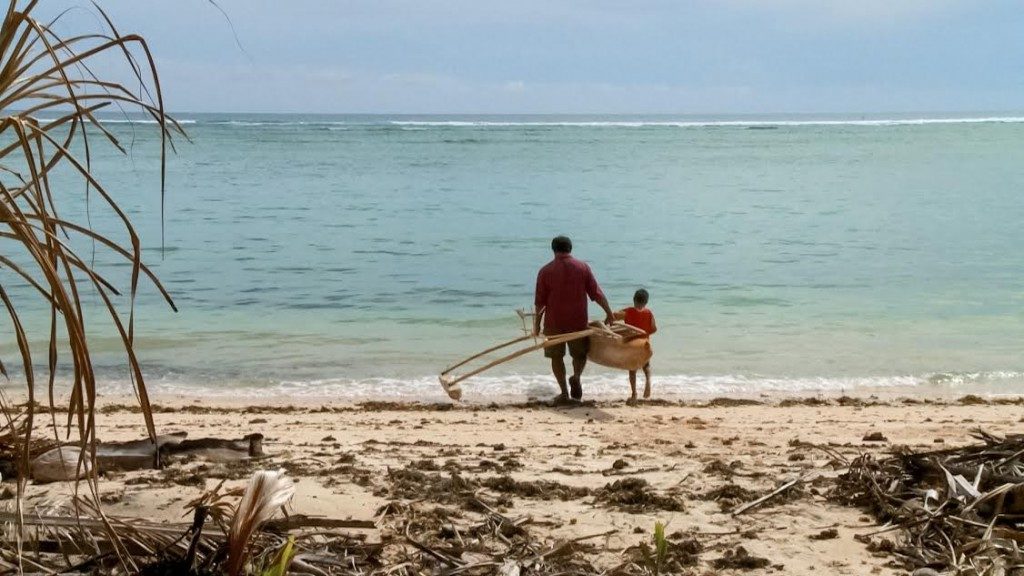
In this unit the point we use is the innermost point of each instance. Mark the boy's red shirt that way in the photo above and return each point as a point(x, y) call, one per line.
point(642, 319)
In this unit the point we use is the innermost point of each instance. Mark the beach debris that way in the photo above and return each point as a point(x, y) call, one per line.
point(72, 538)
point(826, 534)
point(729, 496)
point(635, 495)
point(267, 492)
point(217, 449)
point(60, 464)
point(719, 468)
point(538, 489)
point(972, 400)
point(141, 454)
point(740, 559)
point(663, 555)
point(732, 402)
point(781, 490)
point(875, 437)
point(953, 510)
point(12, 440)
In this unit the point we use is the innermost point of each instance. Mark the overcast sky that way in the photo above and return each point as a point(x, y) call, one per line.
point(564, 56)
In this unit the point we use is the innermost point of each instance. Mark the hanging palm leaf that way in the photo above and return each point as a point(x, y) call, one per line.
point(50, 96)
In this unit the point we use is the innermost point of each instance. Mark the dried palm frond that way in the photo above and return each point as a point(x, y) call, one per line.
point(45, 74)
point(268, 491)
point(955, 509)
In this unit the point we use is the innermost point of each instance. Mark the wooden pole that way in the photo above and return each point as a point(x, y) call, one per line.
point(450, 384)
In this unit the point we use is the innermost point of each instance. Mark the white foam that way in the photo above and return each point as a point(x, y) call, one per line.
point(596, 385)
point(124, 121)
point(713, 123)
point(426, 124)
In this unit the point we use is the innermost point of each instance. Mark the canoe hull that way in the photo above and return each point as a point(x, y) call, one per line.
point(616, 353)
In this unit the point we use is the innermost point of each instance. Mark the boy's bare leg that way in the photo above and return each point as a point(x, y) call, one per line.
point(647, 381)
point(632, 386)
point(558, 369)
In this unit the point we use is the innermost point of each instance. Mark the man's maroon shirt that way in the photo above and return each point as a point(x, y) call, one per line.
point(563, 286)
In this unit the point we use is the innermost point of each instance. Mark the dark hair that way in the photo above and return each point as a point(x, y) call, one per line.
point(561, 244)
point(641, 296)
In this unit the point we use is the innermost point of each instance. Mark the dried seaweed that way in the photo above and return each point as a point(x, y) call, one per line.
point(957, 510)
point(636, 495)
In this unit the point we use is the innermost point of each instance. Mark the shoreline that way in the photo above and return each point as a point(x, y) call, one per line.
point(164, 402)
point(475, 395)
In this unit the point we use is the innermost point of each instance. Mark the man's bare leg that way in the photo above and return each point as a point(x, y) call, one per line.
point(578, 364)
point(632, 386)
point(647, 381)
point(577, 370)
point(558, 369)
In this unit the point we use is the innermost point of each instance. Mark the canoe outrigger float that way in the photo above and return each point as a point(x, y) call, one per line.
point(617, 346)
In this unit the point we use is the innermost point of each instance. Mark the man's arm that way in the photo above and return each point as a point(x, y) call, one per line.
point(597, 295)
point(540, 299)
point(609, 318)
point(654, 326)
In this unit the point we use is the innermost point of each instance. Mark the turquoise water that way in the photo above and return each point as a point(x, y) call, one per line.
point(358, 256)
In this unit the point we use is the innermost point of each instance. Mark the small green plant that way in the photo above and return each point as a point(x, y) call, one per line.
point(279, 565)
point(655, 560)
point(660, 544)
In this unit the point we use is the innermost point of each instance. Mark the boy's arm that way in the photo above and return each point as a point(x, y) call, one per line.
point(654, 326)
point(620, 315)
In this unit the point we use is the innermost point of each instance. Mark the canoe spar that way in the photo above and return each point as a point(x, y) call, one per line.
point(450, 383)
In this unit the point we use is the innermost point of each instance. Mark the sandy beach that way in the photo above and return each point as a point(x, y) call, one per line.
point(602, 470)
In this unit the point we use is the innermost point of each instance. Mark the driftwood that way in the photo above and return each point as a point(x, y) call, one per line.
point(781, 489)
point(218, 449)
point(62, 463)
point(135, 454)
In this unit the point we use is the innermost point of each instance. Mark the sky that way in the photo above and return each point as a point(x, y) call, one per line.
point(575, 56)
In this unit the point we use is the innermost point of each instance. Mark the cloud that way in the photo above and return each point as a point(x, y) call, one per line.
point(851, 12)
point(596, 56)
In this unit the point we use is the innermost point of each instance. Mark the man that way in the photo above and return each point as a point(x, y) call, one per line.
point(563, 286)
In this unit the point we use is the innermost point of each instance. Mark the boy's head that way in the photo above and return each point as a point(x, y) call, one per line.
point(561, 245)
point(640, 298)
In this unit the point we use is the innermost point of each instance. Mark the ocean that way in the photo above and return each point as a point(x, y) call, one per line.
point(357, 256)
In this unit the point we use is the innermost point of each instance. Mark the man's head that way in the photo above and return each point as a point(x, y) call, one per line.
point(561, 245)
point(640, 298)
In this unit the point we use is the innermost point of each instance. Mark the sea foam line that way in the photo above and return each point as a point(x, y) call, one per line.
point(596, 385)
point(426, 124)
point(709, 123)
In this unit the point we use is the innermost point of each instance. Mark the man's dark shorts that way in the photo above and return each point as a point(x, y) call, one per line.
point(577, 349)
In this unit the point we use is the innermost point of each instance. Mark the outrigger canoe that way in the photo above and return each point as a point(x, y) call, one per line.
point(617, 346)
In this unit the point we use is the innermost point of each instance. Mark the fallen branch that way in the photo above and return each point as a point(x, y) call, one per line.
point(766, 497)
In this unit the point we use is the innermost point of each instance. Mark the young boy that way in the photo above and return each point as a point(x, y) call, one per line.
point(639, 316)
